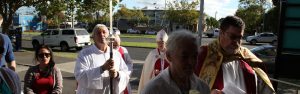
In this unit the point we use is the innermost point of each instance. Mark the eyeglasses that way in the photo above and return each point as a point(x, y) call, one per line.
point(233, 36)
point(42, 55)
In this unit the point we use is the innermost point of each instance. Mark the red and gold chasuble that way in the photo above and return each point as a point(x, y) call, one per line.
point(211, 58)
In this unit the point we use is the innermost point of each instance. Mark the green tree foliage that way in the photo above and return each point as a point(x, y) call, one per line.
point(182, 12)
point(272, 20)
point(9, 7)
point(86, 8)
point(212, 22)
point(133, 16)
point(53, 10)
point(252, 16)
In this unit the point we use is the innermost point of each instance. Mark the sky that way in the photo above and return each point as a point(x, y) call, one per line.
point(218, 8)
point(214, 8)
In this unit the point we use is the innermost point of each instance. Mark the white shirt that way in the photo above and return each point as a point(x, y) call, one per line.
point(163, 84)
point(234, 81)
point(92, 79)
point(233, 78)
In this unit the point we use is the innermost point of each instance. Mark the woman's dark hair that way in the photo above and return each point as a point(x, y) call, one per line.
point(51, 61)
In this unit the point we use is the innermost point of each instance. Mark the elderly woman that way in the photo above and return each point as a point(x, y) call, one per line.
point(179, 78)
point(44, 78)
point(94, 67)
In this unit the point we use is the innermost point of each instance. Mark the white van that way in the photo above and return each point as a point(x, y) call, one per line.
point(64, 38)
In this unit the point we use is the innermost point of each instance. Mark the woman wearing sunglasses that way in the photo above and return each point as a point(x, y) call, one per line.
point(44, 78)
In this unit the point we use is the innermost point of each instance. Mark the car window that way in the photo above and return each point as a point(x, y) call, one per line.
point(268, 52)
point(82, 32)
point(55, 32)
point(67, 32)
point(47, 32)
point(263, 35)
point(270, 35)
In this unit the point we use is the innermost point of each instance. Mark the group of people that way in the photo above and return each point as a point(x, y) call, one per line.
point(177, 66)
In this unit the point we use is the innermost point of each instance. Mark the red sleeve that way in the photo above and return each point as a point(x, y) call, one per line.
point(201, 57)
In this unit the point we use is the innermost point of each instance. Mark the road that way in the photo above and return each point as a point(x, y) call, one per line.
point(25, 58)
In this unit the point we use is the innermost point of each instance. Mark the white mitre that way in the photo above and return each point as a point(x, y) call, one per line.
point(162, 36)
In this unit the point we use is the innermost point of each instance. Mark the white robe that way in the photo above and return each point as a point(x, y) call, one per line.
point(234, 81)
point(163, 84)
point(148, 67)
point(92, 79)
point(129, 64)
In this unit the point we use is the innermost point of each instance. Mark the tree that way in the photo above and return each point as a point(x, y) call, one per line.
point(98, 7)
point(54, 10)
point(133, 16)
point(182, 12)
point(252, 17)
point(9, 7)
point(272, 20)
point(212, 22)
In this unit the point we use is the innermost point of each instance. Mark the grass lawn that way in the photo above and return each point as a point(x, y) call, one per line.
point(137, 36)
point(139, 44)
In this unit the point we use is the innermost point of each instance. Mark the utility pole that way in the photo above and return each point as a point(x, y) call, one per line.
point(200, 23)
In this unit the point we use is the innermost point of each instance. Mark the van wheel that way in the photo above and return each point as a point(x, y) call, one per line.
point(64, 46)
point(35, 44)
point(78, 48)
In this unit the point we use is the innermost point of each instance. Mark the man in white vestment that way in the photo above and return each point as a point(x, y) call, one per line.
point(94, 68)
point(126, 57)
point(179, 77)
point(155, 61)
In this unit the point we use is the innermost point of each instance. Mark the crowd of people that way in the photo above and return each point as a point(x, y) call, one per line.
point(177, 66)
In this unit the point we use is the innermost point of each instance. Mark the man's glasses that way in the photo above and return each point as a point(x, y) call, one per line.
point(234, 37)
point(42, 55)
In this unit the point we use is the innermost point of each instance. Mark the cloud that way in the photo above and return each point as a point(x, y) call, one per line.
point(221, 8)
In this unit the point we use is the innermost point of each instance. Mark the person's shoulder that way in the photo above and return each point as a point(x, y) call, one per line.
point(88, 49)
point(124, 49)
point(153, 85)
point(201, 86)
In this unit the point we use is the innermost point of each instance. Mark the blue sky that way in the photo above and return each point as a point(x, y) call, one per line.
point(221, 8)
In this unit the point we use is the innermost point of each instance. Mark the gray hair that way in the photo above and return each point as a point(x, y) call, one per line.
point(97, 27)
point(178, 37)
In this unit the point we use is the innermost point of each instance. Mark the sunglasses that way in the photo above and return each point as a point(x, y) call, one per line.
point(42, 55)
point(234, 37)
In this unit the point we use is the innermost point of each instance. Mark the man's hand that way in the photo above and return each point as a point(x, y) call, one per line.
point(113, 73)
point(109, 64)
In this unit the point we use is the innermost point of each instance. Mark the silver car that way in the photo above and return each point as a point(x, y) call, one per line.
point(267, 53)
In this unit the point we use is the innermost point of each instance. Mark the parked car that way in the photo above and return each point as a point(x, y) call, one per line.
point(63, 38)
point(267, 53)
point(151, 32)
point(116, 31)
point(133, 31)
point(212, 33)
point(262, 38)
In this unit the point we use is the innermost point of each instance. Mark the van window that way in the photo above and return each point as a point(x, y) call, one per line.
point(55, 32)
point(81, 32)
point(67, 32)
